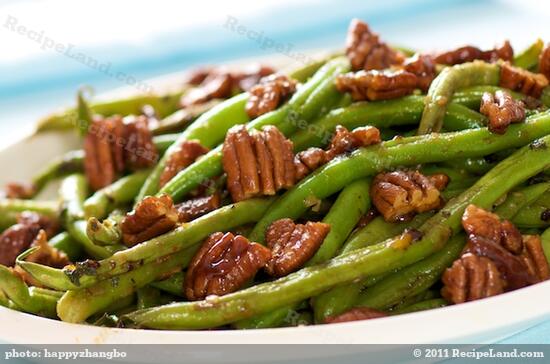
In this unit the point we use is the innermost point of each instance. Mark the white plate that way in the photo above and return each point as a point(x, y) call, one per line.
point(482, 321)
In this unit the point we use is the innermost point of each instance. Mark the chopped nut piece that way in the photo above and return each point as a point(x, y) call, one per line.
point(15, 240)
point(544, 61)
point(196, 207)
point(49, 225)
point(423, 67)
point(293, 244)
point(309, 160)
point(151, 217)
point(185, 155)
point(534, 258)
point(356, 314)
point(502, 110)
point(518, 79)
point(251, 75)
point(471, 278)
point(399, 195)
point(469, 54)
point(20, 190)
point(343, 141)
point(223, 264)
point(256, 165)
point(113, 145)
point(483, 224)
point(377, 85)
point(47, 254)
point(365, 50)
point(269, 94)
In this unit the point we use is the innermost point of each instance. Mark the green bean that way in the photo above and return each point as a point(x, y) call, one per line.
point(180, 119)
point(529, 57)
point(72, 192)
point(288, 119)
point(419, 297)
point(24, 298)
point(83, 113)
point(147, 297)
point(119, 193)
point(446, 83)
point(65, 243)
point(77, 305)
point(188, 235)
point(47, 208)
point(534, 215)
point(545, 97)
point(172, 284)
point(392, 254)
point(163, 104)
point(352, 203)
point(459, 117)
point(303, 73)
point(342, 298)
point(476, 166)
point(422, 306)
point(69, 163)
point(545, 237)
point(403, 152)
point(413, 279)
point(471, 96)
point(518, 200)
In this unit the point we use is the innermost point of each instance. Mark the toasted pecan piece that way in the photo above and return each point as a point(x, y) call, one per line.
point(518, 79)
point(258, 164)
point(293, 244)
point(471, 278)
point(423, 67)
point(222, 265)
point(544, 61)
point(501, 110)
point(186, 153)
point(342, 142)
point(269, 94)
point(191, 209)
point(534, 258)
point(356, 314)
point(377, 85)
point(151, 217)
point(20, 190)
point(366, 51)
point(399, 195)
point(470, 53)
point(139, 150)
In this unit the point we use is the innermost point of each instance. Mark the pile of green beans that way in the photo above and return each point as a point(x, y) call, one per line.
point(374, 265)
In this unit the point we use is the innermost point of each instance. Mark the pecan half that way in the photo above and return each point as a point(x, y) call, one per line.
point(269, 94)
point(222, 265)
point(399, 195)
point(186, 153)
point(20, 190)
point(471, 278)
point(502, 110)
point(480, 223)
point(292, 244)
point(104, 157)
point(366, 51)
point(356, 314)
point(113, 145)
point(470, 53)
point(258, 164)
point(47, 254)
point(220, 83)
point(139, 149)
point(343, 141)
point(377, 85)
point(534, 258)
point(196, 207)
point(544, 61)
point(423, 67)
point(49, 225)
point(15, 240)
point(151, 217)
point(518, 79)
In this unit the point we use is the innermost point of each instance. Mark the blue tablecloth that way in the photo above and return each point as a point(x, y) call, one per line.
point(31, 87)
